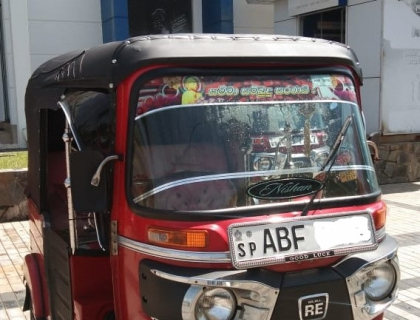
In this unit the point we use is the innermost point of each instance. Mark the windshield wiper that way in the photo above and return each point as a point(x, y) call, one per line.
point(331, 158)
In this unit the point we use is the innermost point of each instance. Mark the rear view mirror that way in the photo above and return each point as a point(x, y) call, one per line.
point(373, 141)
point(87, 197)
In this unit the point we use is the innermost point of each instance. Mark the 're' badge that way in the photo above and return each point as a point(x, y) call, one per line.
point(313, 307)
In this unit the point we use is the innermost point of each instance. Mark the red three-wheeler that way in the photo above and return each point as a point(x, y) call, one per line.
point(204, 177)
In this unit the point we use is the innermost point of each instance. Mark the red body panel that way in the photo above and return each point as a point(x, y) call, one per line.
point(34, 269)
point(91, 277)
point(35, 228)
point(217, 231)
point(91, 287)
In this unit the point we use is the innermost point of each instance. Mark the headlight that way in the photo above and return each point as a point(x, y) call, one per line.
point(380, 282)
point(215, 304)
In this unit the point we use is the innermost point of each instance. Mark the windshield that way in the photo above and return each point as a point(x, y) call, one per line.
point(202, 143)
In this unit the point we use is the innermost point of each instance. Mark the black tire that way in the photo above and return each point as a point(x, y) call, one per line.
point(31, 310)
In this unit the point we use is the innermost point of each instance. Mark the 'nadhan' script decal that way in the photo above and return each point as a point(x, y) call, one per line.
point(284, 189)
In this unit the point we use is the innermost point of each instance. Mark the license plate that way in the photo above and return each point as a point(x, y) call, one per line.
point(299, 239)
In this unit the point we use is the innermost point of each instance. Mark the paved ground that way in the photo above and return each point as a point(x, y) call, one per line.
point(403, 223)
point(14, 245)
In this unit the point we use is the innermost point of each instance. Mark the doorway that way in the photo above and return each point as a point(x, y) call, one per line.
point(159, 17)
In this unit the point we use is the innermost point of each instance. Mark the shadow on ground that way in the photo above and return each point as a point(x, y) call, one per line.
point(400, 187)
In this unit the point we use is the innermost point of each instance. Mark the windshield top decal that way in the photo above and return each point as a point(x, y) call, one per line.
point(192, 90)
point(284, 188)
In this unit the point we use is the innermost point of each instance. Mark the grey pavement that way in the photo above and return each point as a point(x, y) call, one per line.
point(14, 245)
point(403, 223)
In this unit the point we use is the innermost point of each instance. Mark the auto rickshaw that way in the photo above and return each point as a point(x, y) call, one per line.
point(204, 177)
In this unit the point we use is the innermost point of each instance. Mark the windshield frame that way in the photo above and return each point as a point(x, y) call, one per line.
point(222, 214)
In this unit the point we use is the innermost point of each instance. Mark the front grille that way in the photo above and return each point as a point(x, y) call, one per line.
point(318, 290)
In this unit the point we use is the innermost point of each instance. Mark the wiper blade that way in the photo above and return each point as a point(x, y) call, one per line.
point(338, 141)
point(331, 158)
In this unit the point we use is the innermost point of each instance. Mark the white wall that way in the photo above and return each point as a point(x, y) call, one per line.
point(7, 45)
point(400, 94)
point(252, 18)
point(283, 23)
point(16, 47)
point(65, 26)
point(364, 35)
point(36, 31)
point(197, 17)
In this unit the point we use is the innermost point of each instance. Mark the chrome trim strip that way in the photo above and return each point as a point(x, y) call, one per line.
point(172, 254)
point(250, 103)
point(215, 279)
point(239, 175)
point(380, 234)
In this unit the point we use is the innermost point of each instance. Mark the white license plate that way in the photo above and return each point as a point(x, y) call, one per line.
point(299, 239)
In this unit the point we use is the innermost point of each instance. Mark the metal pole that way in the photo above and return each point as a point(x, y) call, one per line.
point(3, 69)
point(67, 138)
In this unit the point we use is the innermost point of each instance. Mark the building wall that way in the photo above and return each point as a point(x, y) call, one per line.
point(283, 23)
point(400, 95)
point(68, 25)
point(35, 31)
point(217, 16)
point(364, 25)
point(15, 27)
point(252, 18)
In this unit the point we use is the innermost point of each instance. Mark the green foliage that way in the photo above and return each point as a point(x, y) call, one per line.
point(13, 160)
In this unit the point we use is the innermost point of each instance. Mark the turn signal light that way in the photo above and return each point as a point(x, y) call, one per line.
point(178, 238)
point(379, 216)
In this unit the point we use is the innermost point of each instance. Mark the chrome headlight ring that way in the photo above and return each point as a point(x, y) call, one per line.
point(374, 288)
point(210, 303)
point(233, 299)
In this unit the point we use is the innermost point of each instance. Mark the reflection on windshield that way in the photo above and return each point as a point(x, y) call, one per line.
point(209, 155)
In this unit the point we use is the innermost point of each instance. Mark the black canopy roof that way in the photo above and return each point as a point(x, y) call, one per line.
point(106, 65)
